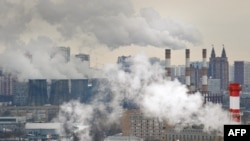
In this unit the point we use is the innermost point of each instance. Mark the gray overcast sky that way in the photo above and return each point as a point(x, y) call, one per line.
point(107, 29)
point(219, 22)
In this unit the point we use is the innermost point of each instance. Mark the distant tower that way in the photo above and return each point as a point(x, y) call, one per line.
point(188, 69)
point(219, 68)
point(204, 70)
point(168, 65)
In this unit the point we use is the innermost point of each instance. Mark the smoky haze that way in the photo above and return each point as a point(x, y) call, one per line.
point(146, 86)
point(111, 23)
point(36, 27)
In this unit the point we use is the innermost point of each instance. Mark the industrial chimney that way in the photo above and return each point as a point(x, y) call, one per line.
point(204, 71)
point(188, 69)
point(168, 68)
point(234, 92)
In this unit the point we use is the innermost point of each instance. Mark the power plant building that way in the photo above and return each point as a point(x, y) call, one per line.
point(59, 91)
point(37, 93)
point(80, 89)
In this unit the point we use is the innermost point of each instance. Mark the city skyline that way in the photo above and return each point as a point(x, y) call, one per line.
point(119, 28)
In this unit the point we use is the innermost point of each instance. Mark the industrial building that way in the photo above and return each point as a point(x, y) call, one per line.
point(32, 113)
point(196, 74)
point(37, 94)
point(12, 124)
point(119, 137)
point(59, 91)
point(81, 89)
point(42, 131)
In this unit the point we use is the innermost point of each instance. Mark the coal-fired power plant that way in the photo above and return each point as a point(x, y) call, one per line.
point(187, 69)
point(168, 65)
point(204, 71)
point(234, 109)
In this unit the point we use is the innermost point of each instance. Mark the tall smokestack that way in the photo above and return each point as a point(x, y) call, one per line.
point(234, 91)
point(168, 68)
point(188, 68)
point(204, 71)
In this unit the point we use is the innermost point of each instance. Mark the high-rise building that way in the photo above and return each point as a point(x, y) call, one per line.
point(6, 84)
point(219, 68)
point(242, 72)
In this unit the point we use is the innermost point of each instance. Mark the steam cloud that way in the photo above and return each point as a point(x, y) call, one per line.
point(35, 26)
point(146, 85)
point(38, 26)
point(110, 22)
point(38, 60)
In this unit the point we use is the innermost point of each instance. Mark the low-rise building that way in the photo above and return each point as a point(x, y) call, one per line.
point(119, 137)
point(36, 131)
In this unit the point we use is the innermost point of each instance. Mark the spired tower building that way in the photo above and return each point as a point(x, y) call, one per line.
point(219, 68)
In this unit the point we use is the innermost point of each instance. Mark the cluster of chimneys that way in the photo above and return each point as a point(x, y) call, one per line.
point(204, 68)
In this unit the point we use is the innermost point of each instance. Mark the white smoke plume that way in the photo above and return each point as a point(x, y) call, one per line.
point(167, 100)
point(40, 60)
point(36, 26)
point(157, 97)
point(111, 23)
